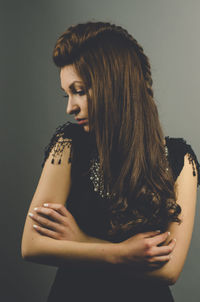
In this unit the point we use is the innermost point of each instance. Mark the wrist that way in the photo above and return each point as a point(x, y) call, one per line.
point(118, 254)
point(115, 251)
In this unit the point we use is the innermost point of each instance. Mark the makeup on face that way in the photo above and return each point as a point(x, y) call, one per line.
point(76, 95)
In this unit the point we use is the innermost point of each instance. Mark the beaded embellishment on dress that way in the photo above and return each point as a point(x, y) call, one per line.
point(58, 142)
point(166, 154)
point(58, 149)
point(191, 161)
point(96, 177)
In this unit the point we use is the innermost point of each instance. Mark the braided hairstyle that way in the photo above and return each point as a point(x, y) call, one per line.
point(145, 64)
point(124, 116)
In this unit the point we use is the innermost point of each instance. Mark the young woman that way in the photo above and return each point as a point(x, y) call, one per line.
point(115, 204)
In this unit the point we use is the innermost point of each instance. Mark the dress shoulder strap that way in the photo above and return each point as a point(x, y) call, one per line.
point(177, 149)
point(62, 136)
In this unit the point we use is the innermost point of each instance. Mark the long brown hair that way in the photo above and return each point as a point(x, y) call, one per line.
point(124, 116)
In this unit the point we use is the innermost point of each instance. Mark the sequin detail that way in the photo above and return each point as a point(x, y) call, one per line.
point(96, 176)
point(58, 149)
point(191, 161)
point(61, 137)
point(166, 154)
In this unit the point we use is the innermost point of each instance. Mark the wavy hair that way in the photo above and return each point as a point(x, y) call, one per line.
point(123, 114)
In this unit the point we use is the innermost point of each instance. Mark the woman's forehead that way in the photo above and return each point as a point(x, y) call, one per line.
point(68, 76)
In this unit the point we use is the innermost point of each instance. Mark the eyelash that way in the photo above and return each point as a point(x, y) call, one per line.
point(81, 92)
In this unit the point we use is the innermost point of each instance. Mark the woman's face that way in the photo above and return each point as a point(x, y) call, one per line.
point(75, 93)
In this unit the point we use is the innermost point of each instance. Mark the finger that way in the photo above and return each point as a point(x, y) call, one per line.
point(158, 239)
point(54, 215)
point(58, 207)
point(46, 232)
point(45, 222)
point(152, 233)
point(164, 250)
point(159, 259)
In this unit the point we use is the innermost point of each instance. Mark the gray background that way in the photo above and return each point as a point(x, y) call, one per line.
point(32, 107)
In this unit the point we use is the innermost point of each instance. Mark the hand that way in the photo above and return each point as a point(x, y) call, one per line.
point(145, 250)
point(57, 222)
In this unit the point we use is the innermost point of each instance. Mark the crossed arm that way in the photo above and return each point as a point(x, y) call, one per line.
point(54, 186)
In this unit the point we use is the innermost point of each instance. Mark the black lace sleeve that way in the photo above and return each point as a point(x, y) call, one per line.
point(62, 137)
point(178, 148)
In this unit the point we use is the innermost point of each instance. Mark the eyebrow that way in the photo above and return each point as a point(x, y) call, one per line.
point(72, 84)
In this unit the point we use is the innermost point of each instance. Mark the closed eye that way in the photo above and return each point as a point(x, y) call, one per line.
point(81, 92)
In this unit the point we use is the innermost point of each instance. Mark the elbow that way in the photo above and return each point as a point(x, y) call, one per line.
point(23, 250)
point(25, 257)
point(170, 280)
point(170, 277)
point(173, 279)
point(32, 245)
point(167, 275)
point(31, 255)
point(29, 250)
point(25, 253)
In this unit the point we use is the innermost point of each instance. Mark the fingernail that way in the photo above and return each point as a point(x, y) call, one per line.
point(158, 231)
point(45, 204)
point(30, 214)
point(35, 209)
point(174, 239)
point(168, 233)
point(35, 226)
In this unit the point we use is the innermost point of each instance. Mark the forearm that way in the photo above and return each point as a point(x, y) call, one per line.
point(161, 274)
point(53, 252)
point(92, 239)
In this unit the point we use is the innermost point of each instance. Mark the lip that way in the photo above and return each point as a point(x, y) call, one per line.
point(83, 121)
point(80, 118)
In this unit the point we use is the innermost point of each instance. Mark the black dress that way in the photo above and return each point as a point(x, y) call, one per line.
point(86, 282)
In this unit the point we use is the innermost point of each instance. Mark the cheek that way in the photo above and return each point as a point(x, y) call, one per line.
point(85, 104)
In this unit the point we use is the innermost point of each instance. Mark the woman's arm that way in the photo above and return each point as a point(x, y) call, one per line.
point(54, 186)
point(187, 195)
point(45, 250)
point(186, 198)
point(60, 252)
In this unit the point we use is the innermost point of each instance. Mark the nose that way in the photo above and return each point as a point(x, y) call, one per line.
point(72, 107)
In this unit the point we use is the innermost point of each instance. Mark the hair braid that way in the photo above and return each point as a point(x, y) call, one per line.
point(144, 60)
point(83, 32)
